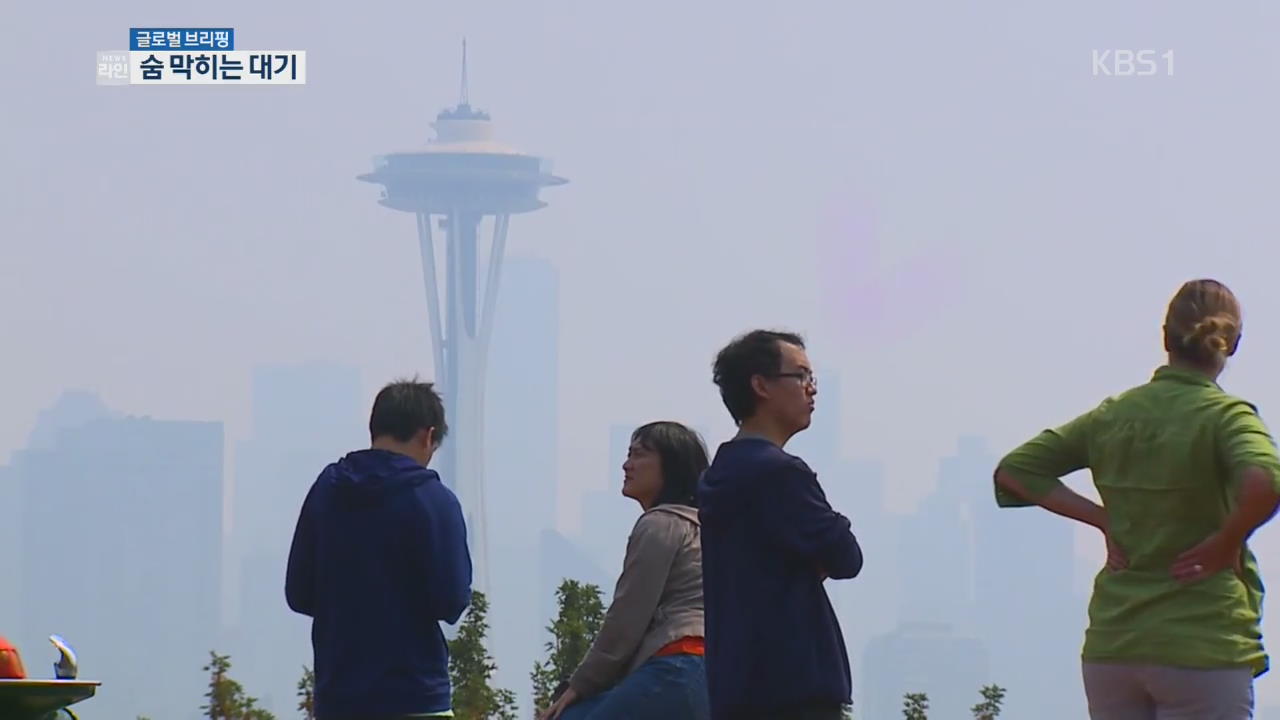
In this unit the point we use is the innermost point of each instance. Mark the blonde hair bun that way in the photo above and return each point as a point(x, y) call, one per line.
point(1213, 335)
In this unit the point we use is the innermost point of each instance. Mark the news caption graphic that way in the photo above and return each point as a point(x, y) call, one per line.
point(177, 39)
point(197, 56)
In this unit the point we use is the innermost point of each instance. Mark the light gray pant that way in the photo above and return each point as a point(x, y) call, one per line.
point(1155, 692)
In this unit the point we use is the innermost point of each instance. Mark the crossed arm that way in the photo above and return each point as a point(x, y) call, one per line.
point(795, 512)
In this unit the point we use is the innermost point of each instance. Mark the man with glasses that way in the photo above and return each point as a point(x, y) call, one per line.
point(769, 540)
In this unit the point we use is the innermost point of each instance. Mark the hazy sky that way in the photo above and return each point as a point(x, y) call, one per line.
point(975, 231)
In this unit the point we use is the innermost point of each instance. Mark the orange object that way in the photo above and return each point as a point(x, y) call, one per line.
point(683, 646)
point(10, 661)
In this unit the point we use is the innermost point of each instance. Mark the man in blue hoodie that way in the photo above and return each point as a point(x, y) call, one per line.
point(379, 559)
point(769, 540)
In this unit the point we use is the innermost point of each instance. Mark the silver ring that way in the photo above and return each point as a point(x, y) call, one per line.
point(1198, 568)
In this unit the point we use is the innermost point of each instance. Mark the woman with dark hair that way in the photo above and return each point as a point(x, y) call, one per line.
point(1186, 473)
point(646, 661)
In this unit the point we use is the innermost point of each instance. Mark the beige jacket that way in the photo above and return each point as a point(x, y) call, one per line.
point(658, 598)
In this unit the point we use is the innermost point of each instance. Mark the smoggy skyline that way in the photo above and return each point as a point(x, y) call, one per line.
point(973, 229)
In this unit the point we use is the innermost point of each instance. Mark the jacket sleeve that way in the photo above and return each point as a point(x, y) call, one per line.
point(300, 580)
point(445, 556)
point(651, 549)
point(795, 513)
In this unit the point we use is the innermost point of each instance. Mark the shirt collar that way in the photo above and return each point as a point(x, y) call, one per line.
point(1183, 375)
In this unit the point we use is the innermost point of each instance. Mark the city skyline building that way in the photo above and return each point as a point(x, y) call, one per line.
point(304, 416)
point(522, 425)
point(122, 555)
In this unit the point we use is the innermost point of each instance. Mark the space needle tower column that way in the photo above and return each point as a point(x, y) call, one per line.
point(469, 186)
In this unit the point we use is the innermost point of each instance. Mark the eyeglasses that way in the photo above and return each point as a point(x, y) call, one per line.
point(805, 377)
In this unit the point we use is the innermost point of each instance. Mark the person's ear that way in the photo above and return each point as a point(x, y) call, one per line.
point(426, 438)
point(760, 386)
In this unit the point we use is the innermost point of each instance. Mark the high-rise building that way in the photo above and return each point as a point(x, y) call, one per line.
point(1004, 576)
point(1024, 570)
point(122, 533)
point(10, 550)
point(522, 417)
point(930, 658)
point(867, 605)
point(936, 545)
point(73, 408)
point(304, 417)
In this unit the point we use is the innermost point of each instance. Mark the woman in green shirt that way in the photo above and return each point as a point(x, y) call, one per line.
point(1186, 473)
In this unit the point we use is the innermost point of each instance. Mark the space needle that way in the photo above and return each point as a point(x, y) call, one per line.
point(465, 181)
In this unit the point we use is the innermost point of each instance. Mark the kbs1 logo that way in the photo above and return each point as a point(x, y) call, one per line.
point(197, 56)
point(1132, 63)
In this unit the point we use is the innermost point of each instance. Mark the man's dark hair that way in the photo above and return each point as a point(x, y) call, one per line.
point(683, 456)
point(755, 353)
point(405, 407)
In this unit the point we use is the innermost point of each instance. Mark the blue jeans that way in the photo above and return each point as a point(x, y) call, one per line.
point(663, 688)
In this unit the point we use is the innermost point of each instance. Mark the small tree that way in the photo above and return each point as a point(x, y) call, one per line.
point(226, 697)
point(471, 668)
point(992, 699)
point(307, 694)
point(580, 614)
point(223, 691)
point(915, 706)
point(252, 712)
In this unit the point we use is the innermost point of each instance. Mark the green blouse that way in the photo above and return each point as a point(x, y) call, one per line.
point(1165, 457)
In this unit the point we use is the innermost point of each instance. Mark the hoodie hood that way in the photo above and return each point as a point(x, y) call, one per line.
point(684, 511)
point(365, 476)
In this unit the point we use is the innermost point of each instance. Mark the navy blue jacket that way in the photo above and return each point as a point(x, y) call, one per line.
point(379, 559)
point(768, 538)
